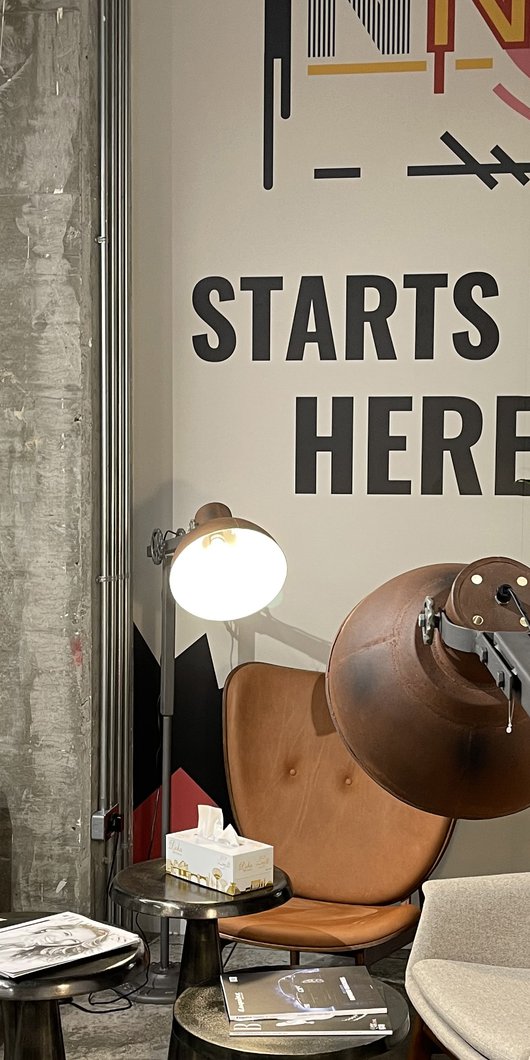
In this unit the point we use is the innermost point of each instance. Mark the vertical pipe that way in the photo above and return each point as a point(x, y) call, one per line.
point(126, 779)
point(113, 396)
point(115, 750)
point(104, 413)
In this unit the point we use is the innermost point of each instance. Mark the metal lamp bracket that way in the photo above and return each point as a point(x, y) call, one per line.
point(506, 655)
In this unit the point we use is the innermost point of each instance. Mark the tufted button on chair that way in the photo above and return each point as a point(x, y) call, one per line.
point(354, 854)
point(468, 975)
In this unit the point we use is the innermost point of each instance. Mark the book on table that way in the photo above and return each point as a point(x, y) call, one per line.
point(365, 1024)
point(298, 997)
point(47, 942)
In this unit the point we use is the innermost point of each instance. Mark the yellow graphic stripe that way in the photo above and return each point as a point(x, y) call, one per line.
point(441, 23)
point(510, 29)
point(473, 64)
point(367, 68)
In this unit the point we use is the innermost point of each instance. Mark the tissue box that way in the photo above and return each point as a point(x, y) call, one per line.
point(245, 867)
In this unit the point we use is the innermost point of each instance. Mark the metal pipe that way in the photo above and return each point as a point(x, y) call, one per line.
point(124, 616)
point(103, 792)
point(115, 722)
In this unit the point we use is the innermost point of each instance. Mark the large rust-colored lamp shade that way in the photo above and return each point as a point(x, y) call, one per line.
point(226, 568)
point(429, 722)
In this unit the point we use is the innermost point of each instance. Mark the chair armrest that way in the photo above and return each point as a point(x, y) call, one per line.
point(481, 919)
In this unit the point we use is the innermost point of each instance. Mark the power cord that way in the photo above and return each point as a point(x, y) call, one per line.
point(98, 1007)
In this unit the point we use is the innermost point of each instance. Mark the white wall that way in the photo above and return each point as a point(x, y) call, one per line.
point(226, 430)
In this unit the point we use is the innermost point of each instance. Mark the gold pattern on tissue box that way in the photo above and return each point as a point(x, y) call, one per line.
point(231, 869)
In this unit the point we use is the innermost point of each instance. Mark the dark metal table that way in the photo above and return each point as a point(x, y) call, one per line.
point(146, 888)
point(200, 1028)
point(30, 1005)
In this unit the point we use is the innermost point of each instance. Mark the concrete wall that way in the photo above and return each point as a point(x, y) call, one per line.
point(48, 468)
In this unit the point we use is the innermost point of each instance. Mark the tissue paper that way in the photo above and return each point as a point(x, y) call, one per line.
point(214, 856)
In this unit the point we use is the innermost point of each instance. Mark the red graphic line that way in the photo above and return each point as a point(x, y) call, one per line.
point(512, 101)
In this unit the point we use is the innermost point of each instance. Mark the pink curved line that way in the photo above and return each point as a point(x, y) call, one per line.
point(521, 58)
point(512, 101)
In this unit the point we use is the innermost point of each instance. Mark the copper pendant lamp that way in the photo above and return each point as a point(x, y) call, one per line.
point(441, 727)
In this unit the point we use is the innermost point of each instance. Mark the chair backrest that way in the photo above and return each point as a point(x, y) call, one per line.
point(292, 783)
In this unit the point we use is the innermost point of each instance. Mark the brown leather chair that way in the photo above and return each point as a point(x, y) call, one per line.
point(354, 853)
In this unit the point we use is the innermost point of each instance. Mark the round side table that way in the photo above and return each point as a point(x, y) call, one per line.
point(200, 1029)
point(147, 888)
point(30, 1005)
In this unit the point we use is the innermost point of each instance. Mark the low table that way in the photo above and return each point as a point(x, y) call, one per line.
point(30, 1005)
point(200, 1028)
point(147, 888)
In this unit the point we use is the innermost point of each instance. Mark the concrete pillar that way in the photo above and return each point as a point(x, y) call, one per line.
point(48, 456)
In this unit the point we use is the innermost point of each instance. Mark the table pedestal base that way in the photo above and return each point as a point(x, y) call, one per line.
point(32, 1029)
point(200, 1031)
point(201, 960)
point(161, 986)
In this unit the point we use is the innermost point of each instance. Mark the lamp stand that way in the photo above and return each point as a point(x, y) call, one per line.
point(162, 979)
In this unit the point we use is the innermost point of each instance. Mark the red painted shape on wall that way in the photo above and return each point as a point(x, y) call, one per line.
point(186, 795)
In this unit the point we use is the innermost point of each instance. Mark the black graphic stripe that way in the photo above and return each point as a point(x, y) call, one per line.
point(333, 172)
point(387, 22)
point(321, 23)
point(277, 46)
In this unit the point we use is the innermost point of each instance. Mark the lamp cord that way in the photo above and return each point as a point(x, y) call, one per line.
point(504, 594)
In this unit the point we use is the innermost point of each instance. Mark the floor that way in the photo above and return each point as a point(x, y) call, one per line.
point(142, 1031)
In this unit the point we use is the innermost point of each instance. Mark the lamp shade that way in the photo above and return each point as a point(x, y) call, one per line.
point(226, 568)
point(428, 723)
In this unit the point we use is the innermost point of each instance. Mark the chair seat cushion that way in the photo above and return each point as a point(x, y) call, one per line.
point(486, 1006)
point(321, 926)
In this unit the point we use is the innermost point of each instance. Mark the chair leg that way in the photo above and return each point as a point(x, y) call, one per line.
point(421, 1045)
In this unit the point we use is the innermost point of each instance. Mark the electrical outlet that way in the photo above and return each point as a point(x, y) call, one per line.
point(103, 823)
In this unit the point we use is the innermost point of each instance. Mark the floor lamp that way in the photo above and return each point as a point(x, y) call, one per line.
point(220, 569)
point(428, 682)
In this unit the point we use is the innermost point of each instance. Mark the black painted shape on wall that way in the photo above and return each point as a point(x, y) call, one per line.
point(146, 721)
point(197, 745)
point(197, 723)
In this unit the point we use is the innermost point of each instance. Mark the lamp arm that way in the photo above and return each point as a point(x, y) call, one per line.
point(506, 655)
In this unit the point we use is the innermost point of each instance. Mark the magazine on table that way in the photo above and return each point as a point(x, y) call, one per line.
point(366, 1024)
point(49, 941)
point(289, 993)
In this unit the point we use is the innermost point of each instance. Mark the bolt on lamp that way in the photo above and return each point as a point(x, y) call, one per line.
point(221, 569)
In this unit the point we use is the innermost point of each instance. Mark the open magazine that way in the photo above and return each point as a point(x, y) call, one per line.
point(39, 945)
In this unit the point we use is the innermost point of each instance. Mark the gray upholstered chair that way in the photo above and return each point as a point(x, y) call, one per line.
point(468, 975)
point(354, 853)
